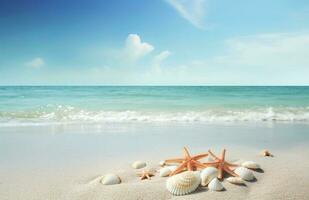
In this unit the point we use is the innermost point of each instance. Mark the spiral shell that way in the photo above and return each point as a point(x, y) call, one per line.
point(215, 185)
point(184, 183)
point(244, 173)
point(208, 174)
point(251, 165)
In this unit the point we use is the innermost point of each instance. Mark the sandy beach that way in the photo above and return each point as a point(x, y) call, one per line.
point(61, 171)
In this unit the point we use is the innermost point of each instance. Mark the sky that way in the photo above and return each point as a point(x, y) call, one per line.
point(154, 42)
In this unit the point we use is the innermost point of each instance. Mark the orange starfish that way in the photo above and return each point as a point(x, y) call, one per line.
point(189, 163)
point(145, 174)
point(221, 164)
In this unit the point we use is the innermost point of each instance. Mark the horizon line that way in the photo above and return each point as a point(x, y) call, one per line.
point(132, 85)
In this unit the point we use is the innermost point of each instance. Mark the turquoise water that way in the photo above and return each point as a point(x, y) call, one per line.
point(66, 104)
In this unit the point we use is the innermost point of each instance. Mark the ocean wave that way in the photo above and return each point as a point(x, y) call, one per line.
point(69, 114)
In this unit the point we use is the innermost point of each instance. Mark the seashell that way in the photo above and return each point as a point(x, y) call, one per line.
point(208, 174)
point(110, 179)
point(266, 153)
point(251, 165)
point(172, 167)
point(244, 173)
point(235, 180)
point(215, 185)
point(183, 183)
point(138, 165)
point(165, 171)
point(162, 163)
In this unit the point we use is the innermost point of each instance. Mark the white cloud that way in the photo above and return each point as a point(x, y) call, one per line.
point(135, 49)
point(36, 63)
point(158, 59)
point(191, 10)
point(162, 56)
point(261, 59)
point(268, 50)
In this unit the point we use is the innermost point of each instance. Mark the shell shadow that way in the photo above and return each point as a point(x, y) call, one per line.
point(205, 189)
point(201, 189)
point(253, 180)
point(242, 185)
point(259, 170)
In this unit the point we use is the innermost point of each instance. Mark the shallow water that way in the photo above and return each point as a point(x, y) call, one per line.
point(27, 105)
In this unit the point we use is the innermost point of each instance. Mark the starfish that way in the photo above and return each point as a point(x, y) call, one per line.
point(145, 174)
point(221, 164)
point(189, 163)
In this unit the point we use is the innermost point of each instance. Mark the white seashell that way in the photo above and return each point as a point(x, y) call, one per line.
point(251, 165)
point(110, 179)
point(172, 167)
point(184, 183)
point(208, 174)
point(165, 171)
point(138, 165)
point(235, 180)
point(244, 173)
point(215, 185)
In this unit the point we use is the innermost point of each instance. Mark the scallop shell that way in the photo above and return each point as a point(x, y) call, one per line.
point(251, 165)
point(215, 185)
point(110, 179)
point(165, 171)
point(244, 173)
point(235, 180)
point(208, 174)
point(138, 165)
point(184, 183)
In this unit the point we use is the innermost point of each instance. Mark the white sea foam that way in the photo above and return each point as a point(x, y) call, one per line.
point(69, 114)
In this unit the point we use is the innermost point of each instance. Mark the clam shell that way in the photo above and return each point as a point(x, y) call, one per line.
point(208, 174)
point(244, 173)
point(215, 185)
point(251, 165)
point(110, 179)
point(184, 183)
point(165, 171)
point(162, 163)
point(138, 164)
point(235, 180)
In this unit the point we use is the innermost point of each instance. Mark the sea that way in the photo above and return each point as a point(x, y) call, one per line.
point(45, 105)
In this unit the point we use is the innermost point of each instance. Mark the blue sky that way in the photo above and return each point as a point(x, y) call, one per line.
point(154, 42)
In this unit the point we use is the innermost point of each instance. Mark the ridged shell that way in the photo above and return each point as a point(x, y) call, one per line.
point(215, 185)
point(244, 173)
point(138, 165)
point(184, 183)
point(110, 179)
point(165, 171)
point(251, 165)
point(208, 174)
point(235, 180)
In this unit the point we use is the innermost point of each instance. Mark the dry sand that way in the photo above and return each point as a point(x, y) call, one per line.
point(284, 176)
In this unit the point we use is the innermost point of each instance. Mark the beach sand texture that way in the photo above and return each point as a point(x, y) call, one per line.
point(284, 176)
